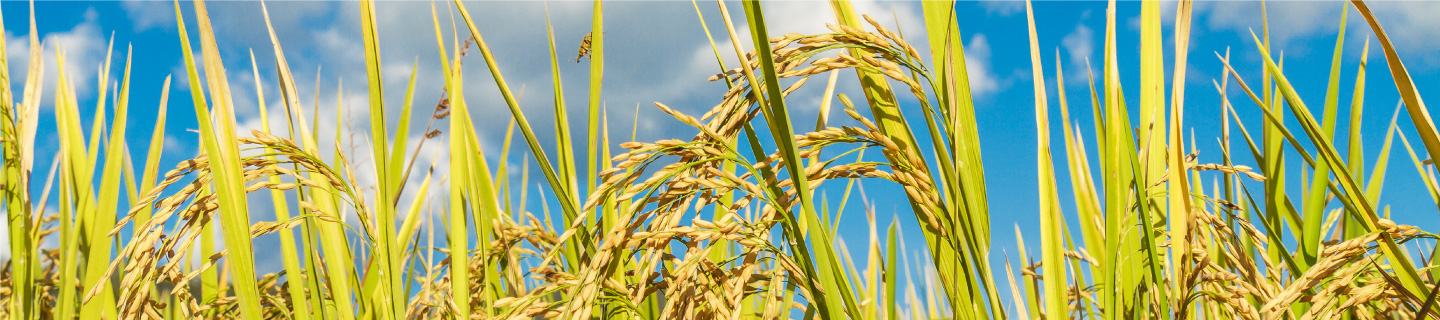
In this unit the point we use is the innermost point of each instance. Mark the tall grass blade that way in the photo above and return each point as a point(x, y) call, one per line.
point(1051, 221)
point(219, 145)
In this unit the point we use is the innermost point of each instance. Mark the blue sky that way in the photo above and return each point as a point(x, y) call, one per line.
point(656, 52)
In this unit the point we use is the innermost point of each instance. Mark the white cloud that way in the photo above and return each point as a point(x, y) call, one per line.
point(172, 146)
point(1287, 20)
point(1003, 7)
point(84, 48)
point(149, 14)
point(1079, 44)
point(1410, 24)
point(983, 81)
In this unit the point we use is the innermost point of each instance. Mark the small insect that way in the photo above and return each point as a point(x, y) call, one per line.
point(584, 48)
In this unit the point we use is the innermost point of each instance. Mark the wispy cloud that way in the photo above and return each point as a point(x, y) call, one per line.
point(1079, 46)
point(1410, 24)
point(84, 49)
point(983, 81)
point(1003, 7)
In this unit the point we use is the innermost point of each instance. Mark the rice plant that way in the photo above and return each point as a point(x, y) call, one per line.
point(730, 222)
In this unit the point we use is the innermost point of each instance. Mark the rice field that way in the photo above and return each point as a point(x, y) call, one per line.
point(736, 219)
